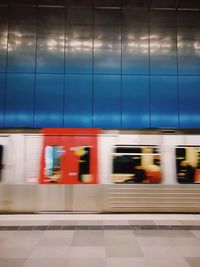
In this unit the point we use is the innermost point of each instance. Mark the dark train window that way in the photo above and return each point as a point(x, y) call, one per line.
point(128, 150)
point(136, 164)
point(83, 153)
point(188, 164)
point(53, 163)
point(1, 160)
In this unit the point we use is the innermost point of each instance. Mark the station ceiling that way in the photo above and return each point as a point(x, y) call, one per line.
point(111, 4)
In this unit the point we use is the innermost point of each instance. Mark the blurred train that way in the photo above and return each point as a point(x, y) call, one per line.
point(94, 170)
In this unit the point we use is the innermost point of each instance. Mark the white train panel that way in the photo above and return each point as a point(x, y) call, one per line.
point(33, 148)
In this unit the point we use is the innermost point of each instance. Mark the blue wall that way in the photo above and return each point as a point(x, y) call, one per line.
point(108, 68)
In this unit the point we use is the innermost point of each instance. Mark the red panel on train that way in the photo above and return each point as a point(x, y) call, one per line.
point(69, 156)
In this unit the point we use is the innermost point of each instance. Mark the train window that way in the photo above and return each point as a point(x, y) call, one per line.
point(136, 164)
point(188, 164)
point(83, 153)
point(1, 160)
point(53, 163)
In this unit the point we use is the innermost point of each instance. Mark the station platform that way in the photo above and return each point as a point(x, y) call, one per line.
point(100, 240)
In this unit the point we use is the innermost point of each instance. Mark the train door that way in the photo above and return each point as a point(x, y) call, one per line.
point(52, 161)
point(69, 156)
point(1, 159)
point(81, 159)
point(4, 146)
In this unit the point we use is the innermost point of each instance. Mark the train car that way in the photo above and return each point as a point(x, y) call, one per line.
point(95, 170)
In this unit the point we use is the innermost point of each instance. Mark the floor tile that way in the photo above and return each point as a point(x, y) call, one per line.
point(158, 252)
point(121, 241)
point(50, 252)
point(162, 262)
point(186, 241)
point(12, 262)
point(55, 242)
point(167, 222)
point(163, 257)
point(190, 222)
point(187, 251)
point(193, 262)
point(123, 251)
point(21, 242)
point(45, 263)
point(84, 262)
point(2, 241)
point(155, 241)
point(29, 234)
point(179, 233)
point(7, 234)
point(59, 233)
point(149, 233)
point(88, 238)
point(15, 252)
point(126, 262)
point(196, 234)
point(87, 252)
point(119, 233)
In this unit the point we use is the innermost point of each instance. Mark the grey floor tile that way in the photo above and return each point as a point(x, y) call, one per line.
point(88, 238)
point(123, 251)
point(121, 241)
point(45, 263)
point(59, 233)
point(162, 262)
point(196, 234)
point(155, 241)
point(190, 222)
point(119, 233)
point(188, 251)
point(55, 241)
point(193, 262)
point(186, 241)
point(126, 262)
point(84, 262)
point(7, 234)
point(2, 241)
point(149, 233)
point(15, 252)
point(87, 252)
point(142, 222)
point(158, 252)
point(21, 242)
point(177, 233)
point(12, 262)
point(29, 234)
point(49, 253)
point(167, 222)
point(163, 257)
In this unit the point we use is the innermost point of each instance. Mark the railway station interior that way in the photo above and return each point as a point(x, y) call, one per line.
point(99, 133)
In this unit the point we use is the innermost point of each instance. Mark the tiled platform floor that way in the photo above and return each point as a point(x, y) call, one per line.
point(94, 240)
